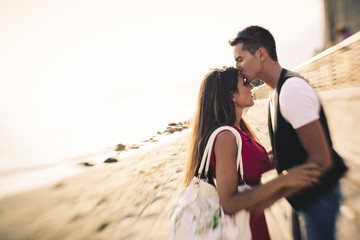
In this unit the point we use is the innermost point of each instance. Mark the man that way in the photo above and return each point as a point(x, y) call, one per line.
point(298, 131)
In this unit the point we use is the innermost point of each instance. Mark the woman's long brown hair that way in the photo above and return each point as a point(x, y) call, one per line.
point(215, 108)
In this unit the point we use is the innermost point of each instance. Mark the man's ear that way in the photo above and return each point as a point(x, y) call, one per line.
point(262, 53)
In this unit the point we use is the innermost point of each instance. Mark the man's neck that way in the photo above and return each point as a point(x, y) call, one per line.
point(271, 74)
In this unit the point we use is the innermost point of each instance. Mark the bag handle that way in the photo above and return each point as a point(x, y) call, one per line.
point(207, 152)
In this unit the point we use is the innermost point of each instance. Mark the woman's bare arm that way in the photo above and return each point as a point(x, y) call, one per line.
point(227, 178)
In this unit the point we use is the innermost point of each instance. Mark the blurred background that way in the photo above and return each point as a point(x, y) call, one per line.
point(80, 76)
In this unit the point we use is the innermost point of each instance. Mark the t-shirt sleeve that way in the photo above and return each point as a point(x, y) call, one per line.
point(299, 103)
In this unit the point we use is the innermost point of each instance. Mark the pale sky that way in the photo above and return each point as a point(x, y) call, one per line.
point(84, 59)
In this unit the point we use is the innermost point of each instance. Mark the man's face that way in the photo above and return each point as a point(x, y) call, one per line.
point(248, 64)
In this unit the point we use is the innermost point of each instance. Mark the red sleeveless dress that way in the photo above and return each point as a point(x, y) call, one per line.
point(255, 163)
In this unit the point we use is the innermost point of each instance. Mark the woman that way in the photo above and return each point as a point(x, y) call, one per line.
point(223, 95)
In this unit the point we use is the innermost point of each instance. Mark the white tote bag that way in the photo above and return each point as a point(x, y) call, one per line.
point(199, 215)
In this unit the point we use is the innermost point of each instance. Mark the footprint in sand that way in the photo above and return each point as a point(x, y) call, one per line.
point(102, 227)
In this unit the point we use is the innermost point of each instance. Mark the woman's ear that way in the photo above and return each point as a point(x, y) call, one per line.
point(233, 97)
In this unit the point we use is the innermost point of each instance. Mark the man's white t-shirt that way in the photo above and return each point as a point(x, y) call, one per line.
point(298, 102)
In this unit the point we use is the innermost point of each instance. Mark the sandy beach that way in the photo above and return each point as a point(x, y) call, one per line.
point(125, 200)
point(132, 198)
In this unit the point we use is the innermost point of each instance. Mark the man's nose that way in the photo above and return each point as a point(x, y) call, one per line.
point(238, 66)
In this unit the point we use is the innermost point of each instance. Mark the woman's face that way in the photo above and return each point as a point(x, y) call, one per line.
point(243, 97)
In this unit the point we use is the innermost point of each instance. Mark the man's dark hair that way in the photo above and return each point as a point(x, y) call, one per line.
point(255, 37)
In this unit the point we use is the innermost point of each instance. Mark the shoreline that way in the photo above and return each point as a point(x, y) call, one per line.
point(31, 178)
point(108, 202)
point(133, 198)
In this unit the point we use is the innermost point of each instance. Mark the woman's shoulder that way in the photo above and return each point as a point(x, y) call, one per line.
point(225, 143)
point(225, 137)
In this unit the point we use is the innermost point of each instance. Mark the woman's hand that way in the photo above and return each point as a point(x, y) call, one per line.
point(304, 175)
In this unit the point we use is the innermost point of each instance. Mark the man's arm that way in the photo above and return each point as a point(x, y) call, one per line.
point(300, 106)
point(313, 140)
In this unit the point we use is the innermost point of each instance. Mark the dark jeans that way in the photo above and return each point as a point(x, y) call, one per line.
point(318, 221)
